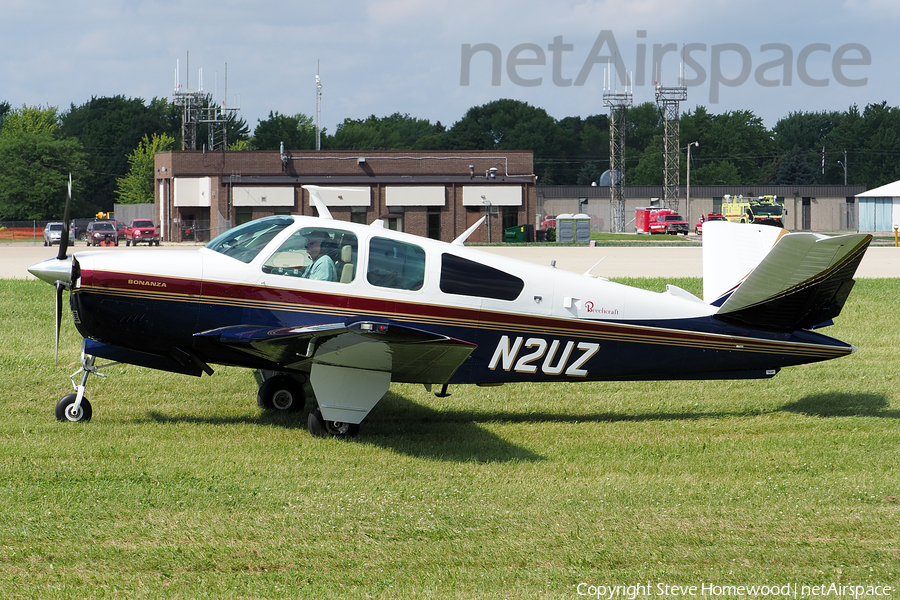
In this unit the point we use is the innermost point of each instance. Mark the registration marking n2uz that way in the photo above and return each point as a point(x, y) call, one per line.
point(535, 349)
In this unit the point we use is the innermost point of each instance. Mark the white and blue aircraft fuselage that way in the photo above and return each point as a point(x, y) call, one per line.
point(349, 308)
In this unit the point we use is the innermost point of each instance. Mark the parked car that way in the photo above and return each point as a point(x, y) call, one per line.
point(53, 234)
point(79, 227)
point(102, 233)
point(548, 222)
point(142, 230)
point(120, 229)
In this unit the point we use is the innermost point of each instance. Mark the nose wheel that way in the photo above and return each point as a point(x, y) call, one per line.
point(75, 408)
point(69, 408)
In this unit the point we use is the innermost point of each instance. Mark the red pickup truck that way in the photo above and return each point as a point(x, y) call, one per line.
point(141, 230)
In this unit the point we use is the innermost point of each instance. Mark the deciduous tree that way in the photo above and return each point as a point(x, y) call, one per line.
point(136, 187)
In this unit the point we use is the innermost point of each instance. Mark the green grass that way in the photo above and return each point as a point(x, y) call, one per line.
point(181, 487)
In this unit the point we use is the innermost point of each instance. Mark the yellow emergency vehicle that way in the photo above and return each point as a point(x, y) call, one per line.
point(761, 210)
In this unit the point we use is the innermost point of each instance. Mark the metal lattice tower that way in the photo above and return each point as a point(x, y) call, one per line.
point(190, 103)
point(198, 107)
point(667, 99)
point(617, 102)
point(216, 117)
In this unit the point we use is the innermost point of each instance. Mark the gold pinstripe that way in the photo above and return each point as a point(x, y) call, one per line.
point(614, 332)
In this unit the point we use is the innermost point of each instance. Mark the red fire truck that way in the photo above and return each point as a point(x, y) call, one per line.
point(659, 220)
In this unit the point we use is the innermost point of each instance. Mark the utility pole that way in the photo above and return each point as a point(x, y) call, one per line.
point(844, 164)
point(318, 109)
point(688, 190)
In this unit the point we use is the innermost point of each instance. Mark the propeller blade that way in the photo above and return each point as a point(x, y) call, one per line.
point(64, 238)
point(59, 292)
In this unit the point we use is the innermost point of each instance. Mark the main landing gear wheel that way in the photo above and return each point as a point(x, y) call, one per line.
point(281, 393)
point(319, 427)
point(66, 411)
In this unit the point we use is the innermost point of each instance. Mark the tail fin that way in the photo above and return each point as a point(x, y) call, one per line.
point(801, 281)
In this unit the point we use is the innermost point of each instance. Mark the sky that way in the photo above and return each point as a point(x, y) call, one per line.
point(436, 59)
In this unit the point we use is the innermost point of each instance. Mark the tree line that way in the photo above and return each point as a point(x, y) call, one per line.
point(108, 144)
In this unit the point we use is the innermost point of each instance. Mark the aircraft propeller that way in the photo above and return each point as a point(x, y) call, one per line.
point(58, 271)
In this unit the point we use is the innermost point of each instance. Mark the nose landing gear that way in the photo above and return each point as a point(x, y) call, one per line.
point(75, 407)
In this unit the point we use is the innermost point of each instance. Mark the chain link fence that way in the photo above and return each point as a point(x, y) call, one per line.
point(193, 231)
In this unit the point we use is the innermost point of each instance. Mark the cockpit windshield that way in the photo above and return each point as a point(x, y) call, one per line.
point(246, 241)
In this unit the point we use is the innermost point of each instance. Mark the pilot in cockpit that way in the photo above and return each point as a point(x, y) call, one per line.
point(322, 265)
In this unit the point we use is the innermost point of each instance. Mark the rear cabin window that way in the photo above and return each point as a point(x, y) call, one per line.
point(395, 265)
point(468, 278)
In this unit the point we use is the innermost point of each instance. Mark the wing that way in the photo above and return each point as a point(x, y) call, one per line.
point(408, 354)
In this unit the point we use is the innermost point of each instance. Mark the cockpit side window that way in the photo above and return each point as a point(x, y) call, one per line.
point(396, 265)
point(317, 253)
point(469, 278)
point(245, 242)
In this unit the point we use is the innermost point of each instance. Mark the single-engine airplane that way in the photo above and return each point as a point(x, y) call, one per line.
point(348, 308)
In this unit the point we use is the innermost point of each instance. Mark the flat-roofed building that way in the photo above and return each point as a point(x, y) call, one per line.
point(433, 194)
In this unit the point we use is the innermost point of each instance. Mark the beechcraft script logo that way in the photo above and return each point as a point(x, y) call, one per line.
point(599, 310)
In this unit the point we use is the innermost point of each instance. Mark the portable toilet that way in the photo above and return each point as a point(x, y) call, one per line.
point(565, 228)
point(582, 228)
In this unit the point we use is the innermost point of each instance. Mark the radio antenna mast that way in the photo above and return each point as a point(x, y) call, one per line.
point(318, 109)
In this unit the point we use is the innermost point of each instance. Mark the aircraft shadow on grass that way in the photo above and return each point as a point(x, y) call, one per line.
point(403, 426)
point(864, 404)
point(407, 427)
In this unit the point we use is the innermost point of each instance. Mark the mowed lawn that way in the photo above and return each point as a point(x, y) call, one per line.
point(182, 487)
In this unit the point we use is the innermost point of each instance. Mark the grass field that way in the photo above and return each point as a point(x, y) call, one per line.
point(181, 487)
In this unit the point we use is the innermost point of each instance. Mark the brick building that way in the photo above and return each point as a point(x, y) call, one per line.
point(433, 194)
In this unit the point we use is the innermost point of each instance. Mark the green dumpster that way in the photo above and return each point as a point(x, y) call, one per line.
point(514, 234)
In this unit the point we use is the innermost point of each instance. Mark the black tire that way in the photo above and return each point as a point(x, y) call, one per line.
point(281, 393)
point(63, 412)
point(319, 427)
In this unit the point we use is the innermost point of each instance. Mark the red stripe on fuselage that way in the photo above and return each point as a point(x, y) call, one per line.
point(274, 298)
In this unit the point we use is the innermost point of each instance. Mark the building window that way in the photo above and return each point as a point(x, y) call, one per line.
point(510, 216)
point(242, 214)
point(434, 222)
